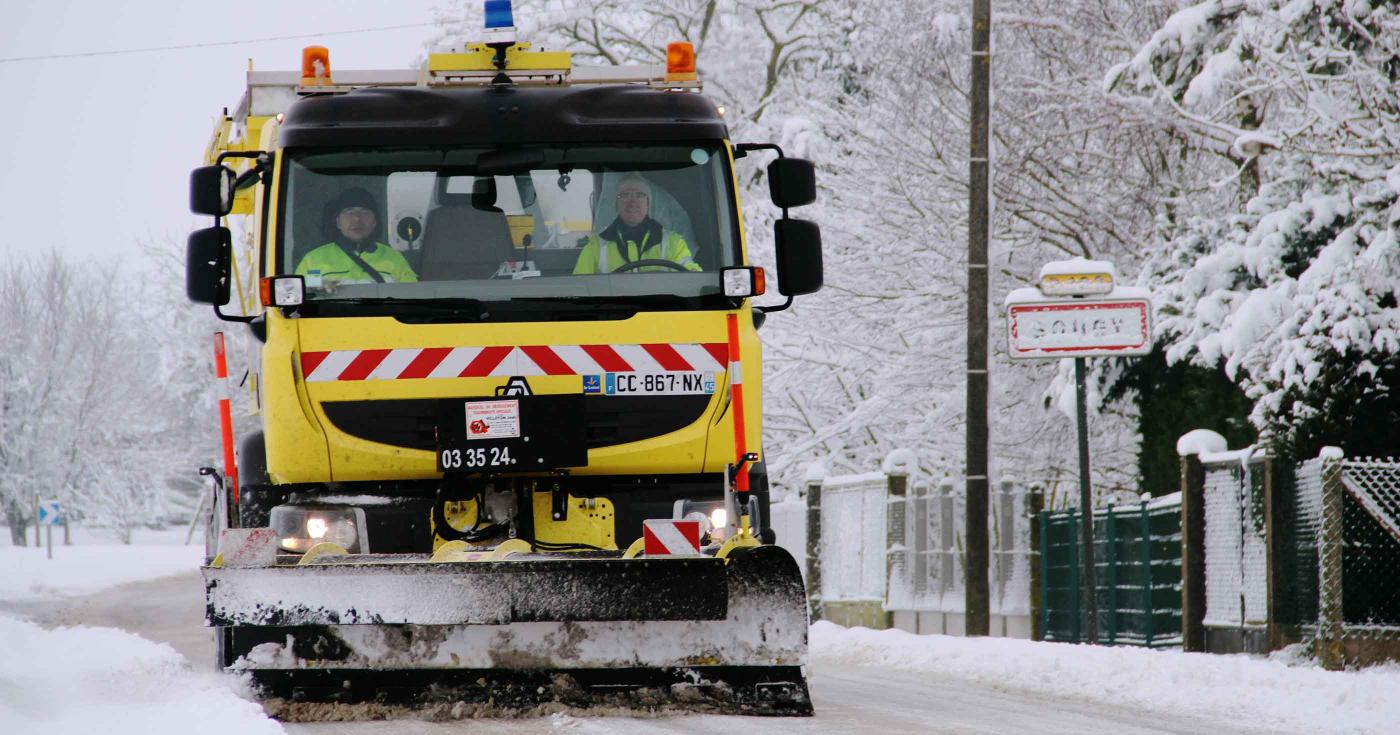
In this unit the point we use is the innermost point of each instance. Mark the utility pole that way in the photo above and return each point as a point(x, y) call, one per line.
point(978, 602)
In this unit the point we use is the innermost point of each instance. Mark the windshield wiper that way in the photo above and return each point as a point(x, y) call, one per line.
point(452, 303)
point(521, 308)
point(451, 309)
point(640, 301)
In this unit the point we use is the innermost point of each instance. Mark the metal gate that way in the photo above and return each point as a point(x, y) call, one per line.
point(1137, 557)
point(853, 538)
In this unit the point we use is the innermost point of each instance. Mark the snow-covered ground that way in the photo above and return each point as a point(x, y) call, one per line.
point(94, 562)
point(1280, 693)
point(78, 680)
point(88, 679)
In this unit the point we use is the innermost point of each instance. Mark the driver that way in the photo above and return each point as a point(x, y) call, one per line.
point(634, 236)
point(354, 256)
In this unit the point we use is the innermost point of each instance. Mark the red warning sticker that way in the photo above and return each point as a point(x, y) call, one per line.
point(493, 420)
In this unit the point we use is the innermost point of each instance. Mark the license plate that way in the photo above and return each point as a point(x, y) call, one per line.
point(476, 458)
point(650, 384)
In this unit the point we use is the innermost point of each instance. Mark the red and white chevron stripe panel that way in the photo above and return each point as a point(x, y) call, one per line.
point(416, 363)
point(667, 537)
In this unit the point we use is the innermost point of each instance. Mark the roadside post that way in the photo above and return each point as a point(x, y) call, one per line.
point(199, 512)
point(226, 414)
point(50, 515)
point(1076, 310)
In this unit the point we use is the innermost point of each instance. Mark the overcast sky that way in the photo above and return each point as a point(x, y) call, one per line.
point(95, 152)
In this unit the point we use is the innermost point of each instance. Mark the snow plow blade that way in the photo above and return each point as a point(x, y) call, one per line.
point(369, 637)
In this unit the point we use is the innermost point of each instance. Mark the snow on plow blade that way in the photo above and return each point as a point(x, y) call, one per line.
point(365, 590)
point(468, 638)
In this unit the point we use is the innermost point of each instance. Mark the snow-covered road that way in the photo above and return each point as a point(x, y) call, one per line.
point(849, 694)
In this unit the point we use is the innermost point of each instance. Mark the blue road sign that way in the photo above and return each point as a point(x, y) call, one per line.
point(50, 513)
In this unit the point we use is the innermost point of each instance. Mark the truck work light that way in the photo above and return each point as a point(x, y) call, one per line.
point(315, 66)
point(680, 61)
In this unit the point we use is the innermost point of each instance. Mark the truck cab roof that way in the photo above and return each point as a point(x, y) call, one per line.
point(392, 116)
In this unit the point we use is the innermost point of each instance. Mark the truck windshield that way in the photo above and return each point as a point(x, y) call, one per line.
point(504, 234)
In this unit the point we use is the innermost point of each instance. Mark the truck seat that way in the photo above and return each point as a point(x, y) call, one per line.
point(464, 242)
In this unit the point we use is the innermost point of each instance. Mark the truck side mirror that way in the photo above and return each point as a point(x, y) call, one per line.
point(208, 260)
point(799, 248)
point(792, 182)
point(211, 190)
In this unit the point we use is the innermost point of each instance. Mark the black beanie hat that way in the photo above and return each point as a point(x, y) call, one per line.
point(356, 197)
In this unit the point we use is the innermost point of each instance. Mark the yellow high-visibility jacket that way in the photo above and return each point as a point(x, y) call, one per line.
point(331, 263)
point(605, 253)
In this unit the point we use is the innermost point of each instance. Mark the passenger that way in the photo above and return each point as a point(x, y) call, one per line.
point(355, 256)
point(633, 236)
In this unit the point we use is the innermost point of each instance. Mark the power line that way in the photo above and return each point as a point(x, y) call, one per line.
point(181, 47)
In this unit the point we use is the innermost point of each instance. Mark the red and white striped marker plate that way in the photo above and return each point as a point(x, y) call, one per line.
point(668, 537)
point(503, 361)
point(248, 547)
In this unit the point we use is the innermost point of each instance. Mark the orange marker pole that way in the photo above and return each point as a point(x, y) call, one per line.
point(736, 390)
point(225, 413)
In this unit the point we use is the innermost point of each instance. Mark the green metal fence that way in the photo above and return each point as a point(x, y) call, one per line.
point(1137, 557)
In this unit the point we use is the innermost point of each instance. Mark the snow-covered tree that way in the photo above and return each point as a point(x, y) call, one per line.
point(1075, 174)
point(171, 418)
point(102, 404)
point(877, 95)
point(1287, 272)
point(58, 351)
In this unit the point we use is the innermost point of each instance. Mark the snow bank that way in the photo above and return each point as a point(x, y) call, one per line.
point(93, 564)
point(1269, 694)
point(72, 680)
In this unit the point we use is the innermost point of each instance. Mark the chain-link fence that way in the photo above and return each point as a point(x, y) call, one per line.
point(1284, 553)
point(1349, 511)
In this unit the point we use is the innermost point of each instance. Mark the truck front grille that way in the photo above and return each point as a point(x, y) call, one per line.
point(412, 423)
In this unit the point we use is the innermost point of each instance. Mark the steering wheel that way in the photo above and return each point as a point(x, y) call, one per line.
point(648, 262)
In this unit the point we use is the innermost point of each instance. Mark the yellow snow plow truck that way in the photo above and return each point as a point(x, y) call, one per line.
point(502, 309)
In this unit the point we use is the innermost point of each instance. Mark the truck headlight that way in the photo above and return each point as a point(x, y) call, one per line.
point(299, 527)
